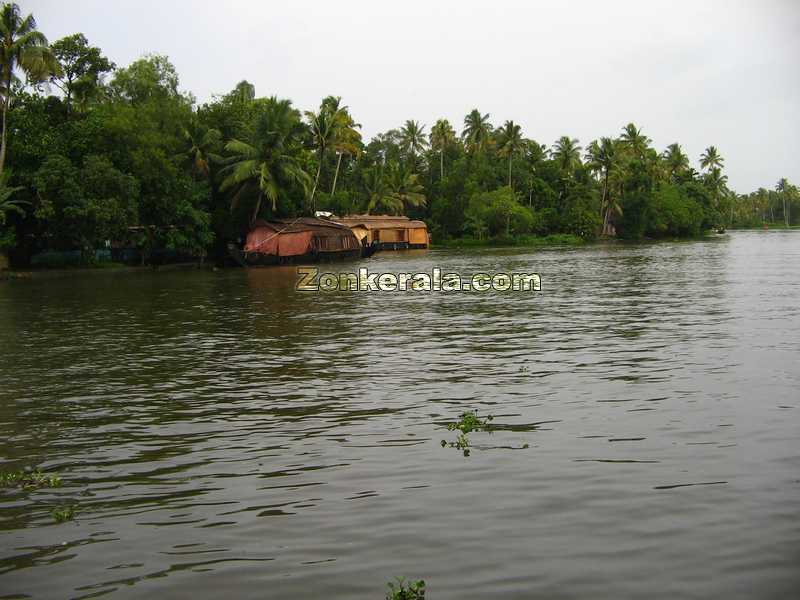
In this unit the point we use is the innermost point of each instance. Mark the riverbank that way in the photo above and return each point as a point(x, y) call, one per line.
point(761, 227)
point(102, 268)
point(526, 241)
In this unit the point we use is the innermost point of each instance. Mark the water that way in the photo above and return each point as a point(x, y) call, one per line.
point(220, 432)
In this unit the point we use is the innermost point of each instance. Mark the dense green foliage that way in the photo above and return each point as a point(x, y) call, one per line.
point(123, 158)
point(400, 589)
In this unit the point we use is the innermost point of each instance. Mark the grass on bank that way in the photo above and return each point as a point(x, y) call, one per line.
point(524, 240)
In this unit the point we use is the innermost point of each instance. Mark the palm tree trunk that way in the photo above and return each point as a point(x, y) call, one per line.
point(441, 161)
point(316, 182)
point(785, 212)
point(336, 176)
point(509, 170)
point(4, 141)
point(257, 208)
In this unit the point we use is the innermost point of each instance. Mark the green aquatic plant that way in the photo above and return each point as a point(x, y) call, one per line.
point(63, 513)
point(467, 423)
point(470, 421)
point(400, 590)
point(29, 479)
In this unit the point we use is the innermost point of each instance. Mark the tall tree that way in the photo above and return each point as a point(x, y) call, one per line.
point(202, 144)
point(322, 124)
point(346, 137)
point(602, 157)
point(82, 67)
point(567, 154)
point(782, 187)
point(710, 159)
point(331, 127)
point(22, 48)
point(716, 183)
point(509, 143)
point(271, 159)
point(442, 136)
point(635, 140)
point(676, 161)
point(244, 91)
point(413, 140)
point(476, 130)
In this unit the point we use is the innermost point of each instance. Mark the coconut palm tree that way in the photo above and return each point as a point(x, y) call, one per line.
point(676, 161)
point(413, 140)
point(567, 154)
point(379, 196)
point(442, 136)
point(635, 140)
point(762, 196)
point(202, 144)
point(509, 143)
point(24, 49)
point(716, 183)
point(782, 187)
point(476, 130)
point(405, 186)
point(392, 189)
point(535, 154)
point(346, 137)
point(710, 159)
point(271, 159)
point(602, 157)
point(323, 132)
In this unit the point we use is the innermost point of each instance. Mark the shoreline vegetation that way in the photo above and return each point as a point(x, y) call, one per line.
point(520, 241)
point(115, 163)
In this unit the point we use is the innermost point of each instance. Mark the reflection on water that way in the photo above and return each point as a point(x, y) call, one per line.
point(219, 430)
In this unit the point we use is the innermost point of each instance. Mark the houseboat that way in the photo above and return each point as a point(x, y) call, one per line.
point(387, 232)
point(301, 240)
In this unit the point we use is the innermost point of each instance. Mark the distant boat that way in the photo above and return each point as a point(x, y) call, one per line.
point(388, 232)
point(302, 240)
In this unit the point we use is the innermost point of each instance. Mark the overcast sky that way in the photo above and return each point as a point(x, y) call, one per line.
point(725, 73)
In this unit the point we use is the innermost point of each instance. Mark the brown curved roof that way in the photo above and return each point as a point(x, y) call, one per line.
point(318, 226)
point(381, 222)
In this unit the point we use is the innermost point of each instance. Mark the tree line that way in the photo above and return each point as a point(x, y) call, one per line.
point(93, 154)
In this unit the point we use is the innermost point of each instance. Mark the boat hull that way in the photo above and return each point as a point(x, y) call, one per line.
point(258, 259)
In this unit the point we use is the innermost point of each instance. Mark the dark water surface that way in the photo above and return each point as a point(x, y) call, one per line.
point(221, 433)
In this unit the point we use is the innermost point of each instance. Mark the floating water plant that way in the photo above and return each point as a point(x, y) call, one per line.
point(63, 513)
point(469, 422)
point(400, 590)
point(29, 479)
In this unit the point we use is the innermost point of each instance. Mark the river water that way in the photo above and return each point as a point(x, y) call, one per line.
point(220, 432)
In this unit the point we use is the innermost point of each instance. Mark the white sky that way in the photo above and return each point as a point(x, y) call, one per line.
point(725, 73)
